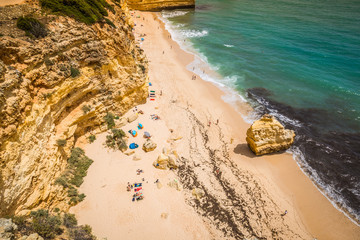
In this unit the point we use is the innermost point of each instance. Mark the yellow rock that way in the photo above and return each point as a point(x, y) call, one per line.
point(267, 135)
point(43, 101)
point(158, 5)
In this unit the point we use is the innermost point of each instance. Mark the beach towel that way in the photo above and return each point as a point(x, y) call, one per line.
point(137, 189)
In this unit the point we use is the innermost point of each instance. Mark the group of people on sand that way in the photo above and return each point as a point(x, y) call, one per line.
point(216, 123)
point(137, 187)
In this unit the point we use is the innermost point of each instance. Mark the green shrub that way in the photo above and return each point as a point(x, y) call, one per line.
point(49, 226)
point(45, 225)
point(87, 11)
point(31, 26)
point(74, 72)
point(69, 220)
point(109, 22)
point(21, 222)
point(142, 67)
point(61, 142)
point(48, 62)
point(118, 133)
point(82, 233)
point(74, 195)
point(116, 141)
point(63, 68)
point(92, 138)
point(79, 163)
point(86, 108)
point(109, 119)
point(62, 180)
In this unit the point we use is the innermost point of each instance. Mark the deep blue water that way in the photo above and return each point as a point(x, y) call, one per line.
point(296, 59)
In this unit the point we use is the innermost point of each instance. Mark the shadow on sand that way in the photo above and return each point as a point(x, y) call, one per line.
point(243, 149)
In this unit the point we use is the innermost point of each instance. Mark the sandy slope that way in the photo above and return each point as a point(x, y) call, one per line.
point(244, 195)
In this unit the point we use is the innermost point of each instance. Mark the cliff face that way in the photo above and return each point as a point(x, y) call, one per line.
point(44, 86)
point(158, 5)
point(267, 135)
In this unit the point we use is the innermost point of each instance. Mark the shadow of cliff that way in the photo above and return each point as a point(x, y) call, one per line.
point(244, 150)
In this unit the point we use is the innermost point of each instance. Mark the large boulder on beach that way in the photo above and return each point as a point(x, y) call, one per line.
point(132, 117)
point(149, 146)
point(165, 161)
point(267, 135)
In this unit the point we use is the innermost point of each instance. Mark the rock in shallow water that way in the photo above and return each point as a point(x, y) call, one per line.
point(267, 135)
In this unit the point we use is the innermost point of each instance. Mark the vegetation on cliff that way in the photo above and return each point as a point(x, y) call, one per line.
point(87, 11)
point(32, 27)
point(116, 140)
point(50, 226)
point(44, 85)
point(78, 164)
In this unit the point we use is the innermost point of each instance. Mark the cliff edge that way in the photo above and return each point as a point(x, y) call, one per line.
point(158, 5)
point(55, 89)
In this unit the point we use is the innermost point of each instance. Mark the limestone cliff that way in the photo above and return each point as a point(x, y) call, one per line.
point(45, 84)
point(267, 135)
point(158, 5)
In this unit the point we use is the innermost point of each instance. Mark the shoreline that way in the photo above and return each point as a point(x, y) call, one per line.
point(246, 199)
point(243, 109)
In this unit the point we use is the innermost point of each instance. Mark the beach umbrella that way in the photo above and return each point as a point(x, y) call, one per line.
point(142, 39)
point(147, 135)
point(133, 146)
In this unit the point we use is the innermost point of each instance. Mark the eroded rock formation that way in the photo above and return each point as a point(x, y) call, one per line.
point(59, 87)
point(267, 135)
point(158, 5)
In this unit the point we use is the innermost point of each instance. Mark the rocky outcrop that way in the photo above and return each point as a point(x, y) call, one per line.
point(158, 5)
point(33, 236)
point(166, 161)
point(267, 135)
point(59, 87)
point(149, 146)
point(7, 228)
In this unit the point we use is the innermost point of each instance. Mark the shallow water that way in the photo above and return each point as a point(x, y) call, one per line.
point(297, 59)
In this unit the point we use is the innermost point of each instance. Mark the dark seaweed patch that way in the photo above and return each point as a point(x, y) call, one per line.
point(333, 155)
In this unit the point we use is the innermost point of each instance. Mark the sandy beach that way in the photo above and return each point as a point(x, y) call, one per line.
point(244, 195)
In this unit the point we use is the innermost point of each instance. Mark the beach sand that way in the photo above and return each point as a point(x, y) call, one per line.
point(245, 195)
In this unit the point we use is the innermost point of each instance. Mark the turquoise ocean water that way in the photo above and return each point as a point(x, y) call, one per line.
point(296, 59)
